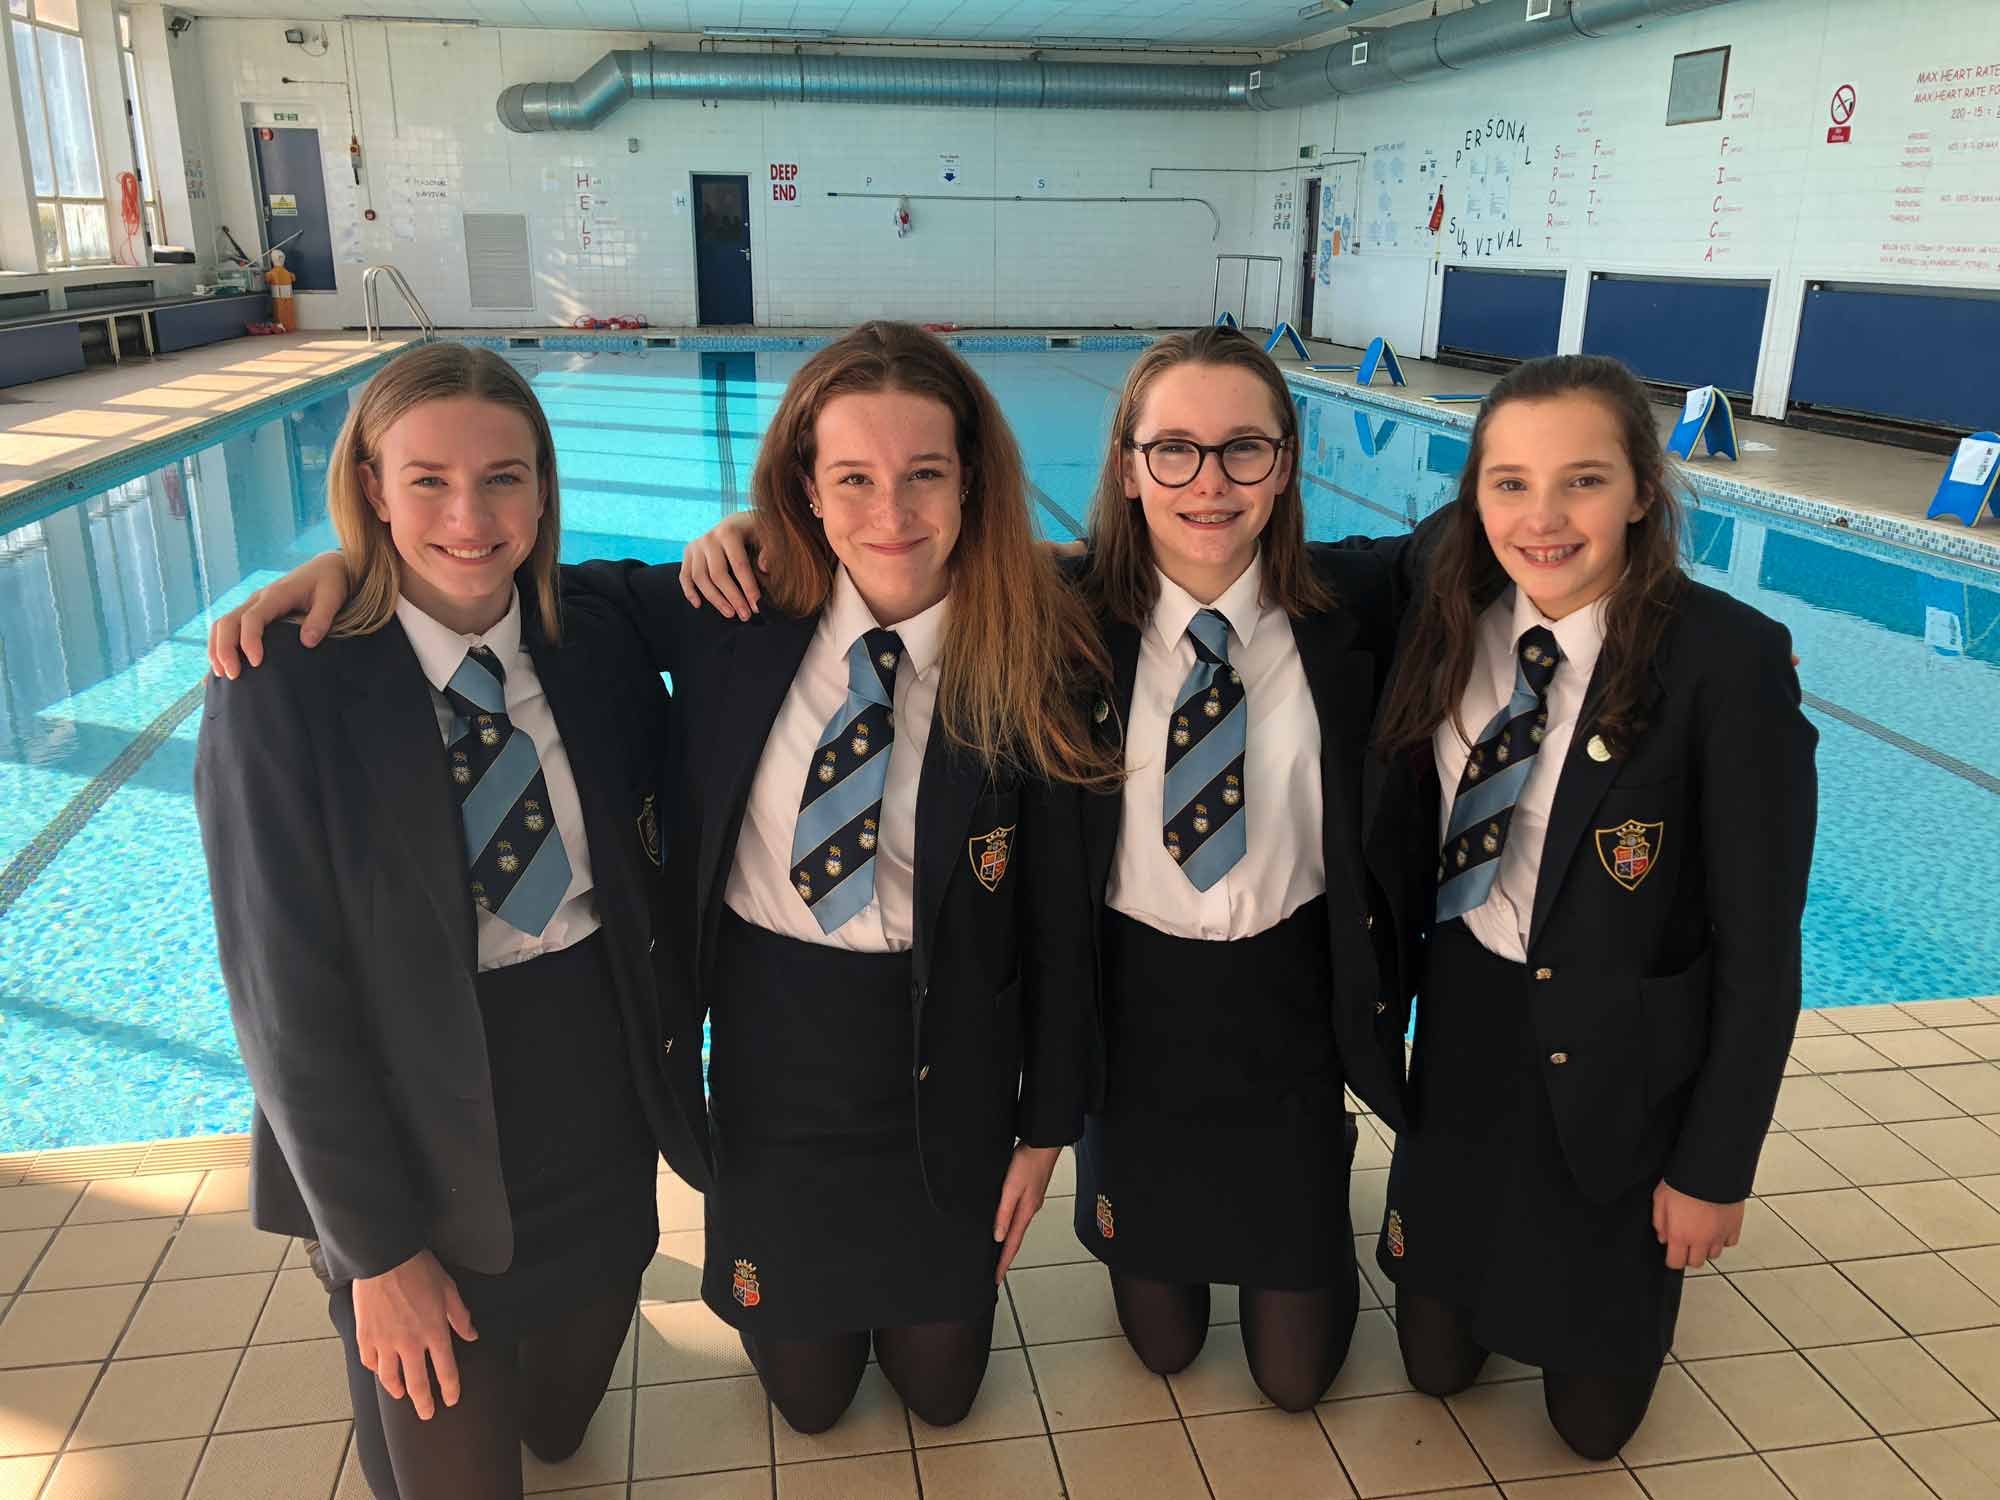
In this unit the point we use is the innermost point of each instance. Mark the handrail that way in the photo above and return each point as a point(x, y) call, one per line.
point(372, 298)
point(1215, 304)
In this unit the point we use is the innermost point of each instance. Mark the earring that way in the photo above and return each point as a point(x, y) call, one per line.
point(815, 508)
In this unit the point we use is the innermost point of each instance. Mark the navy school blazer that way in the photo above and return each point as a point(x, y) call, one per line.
point(344, 919)
point(1001, 964)
point(1664, 943)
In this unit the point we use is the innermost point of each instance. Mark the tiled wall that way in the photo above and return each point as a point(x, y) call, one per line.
point(424, 112)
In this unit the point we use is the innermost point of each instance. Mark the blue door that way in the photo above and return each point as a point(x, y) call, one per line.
point(722, 249)
point(293, 187)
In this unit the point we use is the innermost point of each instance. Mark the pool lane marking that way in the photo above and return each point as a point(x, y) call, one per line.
point(1076, 527)
point(1962, 769)
point(40, 851)
point(725, 446)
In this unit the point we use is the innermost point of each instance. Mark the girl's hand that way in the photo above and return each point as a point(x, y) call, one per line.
point(1694, 1230)
point(403, 1317)
point(1021, 1198)
point(717, 566)
point(318, 587)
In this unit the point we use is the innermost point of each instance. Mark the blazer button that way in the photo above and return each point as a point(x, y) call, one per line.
point(1559, 1058)
point(1545, 973)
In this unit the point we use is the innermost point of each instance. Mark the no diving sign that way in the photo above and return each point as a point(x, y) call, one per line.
point(1842, 110)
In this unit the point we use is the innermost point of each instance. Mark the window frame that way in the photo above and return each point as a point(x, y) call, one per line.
point(153, 224)
point(27, 15)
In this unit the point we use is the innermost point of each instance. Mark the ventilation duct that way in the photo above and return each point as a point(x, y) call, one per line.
point(1395, 55)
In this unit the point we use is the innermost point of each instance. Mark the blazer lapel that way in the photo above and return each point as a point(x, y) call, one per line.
point(586, 739)
point(946, 791)
point(1584, 781)
point(394, 728)
point(1101, 811)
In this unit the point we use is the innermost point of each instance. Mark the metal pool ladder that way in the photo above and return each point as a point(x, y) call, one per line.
point(371, 298)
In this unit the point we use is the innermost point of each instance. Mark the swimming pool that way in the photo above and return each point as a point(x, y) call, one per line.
point(113, 1021)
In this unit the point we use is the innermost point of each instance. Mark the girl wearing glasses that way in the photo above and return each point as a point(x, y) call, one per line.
point(1241, 981)
point(1241, 986)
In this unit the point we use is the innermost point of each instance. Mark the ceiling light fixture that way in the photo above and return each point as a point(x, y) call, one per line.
point(1323, 8)
point(767, 33)
point(1097, 43)
point(414, 20)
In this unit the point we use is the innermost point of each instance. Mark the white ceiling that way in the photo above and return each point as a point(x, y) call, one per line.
point(1168, 23)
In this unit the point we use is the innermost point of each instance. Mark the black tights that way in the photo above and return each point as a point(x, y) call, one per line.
point(541, 1391)
point(1595, 1414)
point(1295, 1341)
point(935, 1367)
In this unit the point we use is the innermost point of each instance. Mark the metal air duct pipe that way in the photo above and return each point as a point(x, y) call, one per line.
point(1408, 53)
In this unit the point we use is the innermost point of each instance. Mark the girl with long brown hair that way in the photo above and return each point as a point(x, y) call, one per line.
point(1596, 794)
point(875, 821)
point(435, 865)
point(1241, 984)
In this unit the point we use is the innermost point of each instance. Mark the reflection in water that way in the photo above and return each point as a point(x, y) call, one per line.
point(113, 1021)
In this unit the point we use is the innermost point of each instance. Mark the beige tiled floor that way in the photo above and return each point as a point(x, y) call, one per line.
point(154, 1346)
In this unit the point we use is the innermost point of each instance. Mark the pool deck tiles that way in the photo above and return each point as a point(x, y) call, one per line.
point(159, 1348)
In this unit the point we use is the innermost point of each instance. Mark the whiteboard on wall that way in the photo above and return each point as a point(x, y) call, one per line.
point(1875, 157)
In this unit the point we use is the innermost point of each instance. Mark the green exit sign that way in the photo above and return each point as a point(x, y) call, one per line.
point(285, 117)
point(1307, 153)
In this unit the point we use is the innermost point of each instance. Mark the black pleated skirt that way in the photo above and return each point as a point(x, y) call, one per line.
point(819, 1221)
point(1221, 1152)
point(576, 1152)
point(1483, 1212)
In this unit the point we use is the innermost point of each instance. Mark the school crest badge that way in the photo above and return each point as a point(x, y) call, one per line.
point(649, 829)
point(743, 1285)
point(1629, 851)
point(1106, 1225)
point(1394, 1235)
point(989, 853)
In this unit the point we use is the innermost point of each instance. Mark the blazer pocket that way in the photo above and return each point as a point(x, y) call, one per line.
point(1675, 1007)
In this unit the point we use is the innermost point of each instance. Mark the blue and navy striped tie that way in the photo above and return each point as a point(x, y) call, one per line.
point(840, 815)
point(520, 870)
point(1204, 792)
point(1495, 772)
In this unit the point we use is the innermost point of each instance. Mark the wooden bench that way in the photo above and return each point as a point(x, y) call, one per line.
point(38, 345)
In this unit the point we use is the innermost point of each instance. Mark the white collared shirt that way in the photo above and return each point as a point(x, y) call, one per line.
point(1502, 920)
point(760, 888)
point(1284, 861)
point(440, 651)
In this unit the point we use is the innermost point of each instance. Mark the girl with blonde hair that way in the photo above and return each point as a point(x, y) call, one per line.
point(435, 859)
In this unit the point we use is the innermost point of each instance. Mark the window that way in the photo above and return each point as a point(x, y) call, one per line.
point(62, 140)
point(135, 116)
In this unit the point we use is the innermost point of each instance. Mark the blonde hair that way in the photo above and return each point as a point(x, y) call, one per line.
point(1020, 652)
point(1122, 578)
point(431, 372)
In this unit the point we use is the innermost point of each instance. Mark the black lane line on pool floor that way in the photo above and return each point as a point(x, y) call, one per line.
point(41, 850)
point(725, 444)
point(1042, 499)
point(1985, 780)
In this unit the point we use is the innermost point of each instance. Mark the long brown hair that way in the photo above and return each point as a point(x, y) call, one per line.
point(1122, 579)
point(430, 372)
point(1463, 576)
point(1020, 653)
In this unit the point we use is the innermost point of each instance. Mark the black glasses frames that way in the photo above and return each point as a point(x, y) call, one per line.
point(1175, 461)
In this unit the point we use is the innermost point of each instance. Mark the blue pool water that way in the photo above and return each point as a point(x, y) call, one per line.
point(113, 1021)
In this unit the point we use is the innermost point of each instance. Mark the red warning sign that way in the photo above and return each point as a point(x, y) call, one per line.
point(1843, 104)
point(1837, 135)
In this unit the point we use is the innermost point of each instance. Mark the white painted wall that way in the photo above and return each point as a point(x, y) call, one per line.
point(424, 111)
point(1561, 160)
